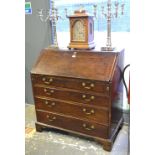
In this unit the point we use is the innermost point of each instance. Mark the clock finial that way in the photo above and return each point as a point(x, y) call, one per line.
point(81, 8)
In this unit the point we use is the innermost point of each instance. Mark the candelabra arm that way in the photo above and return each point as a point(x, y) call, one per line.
point(95, 11)
point(66, 13)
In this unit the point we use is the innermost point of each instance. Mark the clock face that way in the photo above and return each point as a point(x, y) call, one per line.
point(79, 31)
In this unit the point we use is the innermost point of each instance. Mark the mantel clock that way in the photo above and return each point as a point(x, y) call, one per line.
point(81, 30)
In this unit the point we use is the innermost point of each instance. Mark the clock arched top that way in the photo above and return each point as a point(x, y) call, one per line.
point(74, 21)
point(79, 31)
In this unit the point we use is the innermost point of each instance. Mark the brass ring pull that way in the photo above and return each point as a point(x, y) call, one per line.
point(49, 104)
point(49, 81)
point(48, 91)
point(51, 119)
point(87, 87)
point(88, 113)
point(88, 99)
point(88, 128)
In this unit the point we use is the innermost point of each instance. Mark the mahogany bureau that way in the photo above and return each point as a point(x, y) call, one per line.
point(79, 92)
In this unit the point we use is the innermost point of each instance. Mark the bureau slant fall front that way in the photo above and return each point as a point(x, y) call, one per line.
point(79, 92)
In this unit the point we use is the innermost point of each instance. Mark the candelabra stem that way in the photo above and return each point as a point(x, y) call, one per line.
point(108, 43)
point(53, 27)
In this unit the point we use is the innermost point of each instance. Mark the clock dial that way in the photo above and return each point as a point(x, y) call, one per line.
point(78, 31)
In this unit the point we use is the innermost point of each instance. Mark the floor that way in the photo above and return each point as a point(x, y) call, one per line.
point(59, 143)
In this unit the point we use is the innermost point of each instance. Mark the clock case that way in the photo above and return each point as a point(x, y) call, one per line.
point(88, 24)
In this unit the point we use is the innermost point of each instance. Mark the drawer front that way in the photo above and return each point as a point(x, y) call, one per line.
point(73, 124)
point(98, 115)
point(77, 84)
point(72, 96)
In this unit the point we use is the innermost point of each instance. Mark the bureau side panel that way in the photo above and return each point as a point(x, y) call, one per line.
point(117, 92)
point(32, 81)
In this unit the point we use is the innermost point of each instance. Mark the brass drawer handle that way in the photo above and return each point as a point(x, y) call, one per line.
point(88, 99)
point(48, 91)
point(49, 104)
point(49, 81)
point(88, 87)
point(88, 128)
point(51, 119)
point(88, 113)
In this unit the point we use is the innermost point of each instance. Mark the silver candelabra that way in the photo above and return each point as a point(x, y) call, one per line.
point(52, 16)
point(109, 15)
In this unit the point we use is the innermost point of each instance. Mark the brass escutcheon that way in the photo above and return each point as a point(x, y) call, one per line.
point(107, 88)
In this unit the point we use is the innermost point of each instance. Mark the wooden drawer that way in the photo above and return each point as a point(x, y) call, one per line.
point(77, 84)
point(99, 115)
point(68, 95)
point(73, 124)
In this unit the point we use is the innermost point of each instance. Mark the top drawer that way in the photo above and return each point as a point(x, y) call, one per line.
point(77, 84)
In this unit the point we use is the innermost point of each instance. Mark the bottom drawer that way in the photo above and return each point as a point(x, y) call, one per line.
point(73, 124)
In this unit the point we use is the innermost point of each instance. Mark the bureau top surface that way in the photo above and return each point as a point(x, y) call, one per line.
point(76, 64)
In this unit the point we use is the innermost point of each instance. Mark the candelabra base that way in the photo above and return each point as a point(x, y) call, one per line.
point(107, 48)
point(54, 46)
